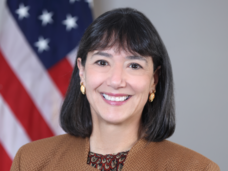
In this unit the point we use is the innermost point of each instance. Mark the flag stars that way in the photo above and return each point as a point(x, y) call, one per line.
point(46, 17)
point(42, 44)
point(22, 11)
point(90, 2)
point(72, 1)
point(70, 22)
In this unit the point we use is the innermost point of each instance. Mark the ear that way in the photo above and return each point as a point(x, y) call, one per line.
point(81, 69)
point(155, 79)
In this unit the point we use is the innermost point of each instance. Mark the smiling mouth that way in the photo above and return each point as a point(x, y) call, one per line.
point(114, 98)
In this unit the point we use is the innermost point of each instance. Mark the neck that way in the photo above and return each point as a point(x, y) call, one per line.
point(110, 138)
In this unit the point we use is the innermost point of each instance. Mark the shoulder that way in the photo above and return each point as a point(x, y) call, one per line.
point(41, 153)
point(46, 146)
point(177, 156)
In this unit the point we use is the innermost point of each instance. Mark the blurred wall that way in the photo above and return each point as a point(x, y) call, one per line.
point(196, 36)
point(1, 6)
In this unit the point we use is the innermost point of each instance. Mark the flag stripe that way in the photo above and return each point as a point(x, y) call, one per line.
point(72, 56)
point(34, 125)
point(5, 160)
point(61, 73)
point(9, 125)
point(31, 73)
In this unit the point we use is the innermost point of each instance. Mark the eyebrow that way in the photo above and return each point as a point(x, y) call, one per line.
point(128, 57)
point(102, 54)
point(137, 57)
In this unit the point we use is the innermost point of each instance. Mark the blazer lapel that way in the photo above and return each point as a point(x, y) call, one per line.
point(74, 155)
point(133, 156)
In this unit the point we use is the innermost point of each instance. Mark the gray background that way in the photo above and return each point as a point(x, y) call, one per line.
point(196, 36)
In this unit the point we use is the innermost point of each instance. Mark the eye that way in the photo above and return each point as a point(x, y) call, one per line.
point(101, 63)
point(135, 66)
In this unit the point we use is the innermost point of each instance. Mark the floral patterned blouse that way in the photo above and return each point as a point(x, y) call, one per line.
point(109, 162)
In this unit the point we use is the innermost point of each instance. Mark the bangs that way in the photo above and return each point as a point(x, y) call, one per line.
point(124, 32)
point(121, 41)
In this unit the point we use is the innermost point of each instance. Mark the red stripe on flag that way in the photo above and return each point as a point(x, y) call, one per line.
point(61, 73)
point(21, 104)
point(5, 160)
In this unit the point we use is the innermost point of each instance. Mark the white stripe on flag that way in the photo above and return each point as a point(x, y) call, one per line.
point(38, 84)
point(12, 134)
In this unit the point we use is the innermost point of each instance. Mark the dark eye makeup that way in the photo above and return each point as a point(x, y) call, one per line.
point(101, 62)
point(135, 66)
point(105, 63)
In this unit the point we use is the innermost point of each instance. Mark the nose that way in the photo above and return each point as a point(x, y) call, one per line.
point(117, 77)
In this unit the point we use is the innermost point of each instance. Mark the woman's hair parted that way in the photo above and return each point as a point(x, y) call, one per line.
point(130, 30)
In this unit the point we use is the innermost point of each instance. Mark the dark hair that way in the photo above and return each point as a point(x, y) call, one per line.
point(131, 30)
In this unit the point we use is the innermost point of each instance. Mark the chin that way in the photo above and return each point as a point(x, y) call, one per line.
point(114, 118)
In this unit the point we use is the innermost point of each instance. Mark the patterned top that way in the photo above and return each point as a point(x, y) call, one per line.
point(109, 162)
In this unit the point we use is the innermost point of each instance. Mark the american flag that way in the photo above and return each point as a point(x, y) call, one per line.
point(38, 44)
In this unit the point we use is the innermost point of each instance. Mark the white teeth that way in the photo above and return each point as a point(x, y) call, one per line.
point(112, 98)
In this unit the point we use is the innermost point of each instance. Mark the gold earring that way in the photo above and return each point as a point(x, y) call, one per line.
point(152, 96)
point(82, 88)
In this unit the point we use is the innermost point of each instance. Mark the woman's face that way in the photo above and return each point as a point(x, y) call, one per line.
point(117, 84)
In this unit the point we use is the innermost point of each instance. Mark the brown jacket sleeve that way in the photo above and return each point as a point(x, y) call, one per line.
point(16, 162)
point(212, 167)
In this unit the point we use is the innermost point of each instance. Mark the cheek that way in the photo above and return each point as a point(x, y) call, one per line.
point(93, 79)
point(141, 85)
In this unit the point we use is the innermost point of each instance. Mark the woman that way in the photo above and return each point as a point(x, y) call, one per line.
point(119, 108)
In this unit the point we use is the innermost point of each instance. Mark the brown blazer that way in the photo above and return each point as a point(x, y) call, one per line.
point(66, 152)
